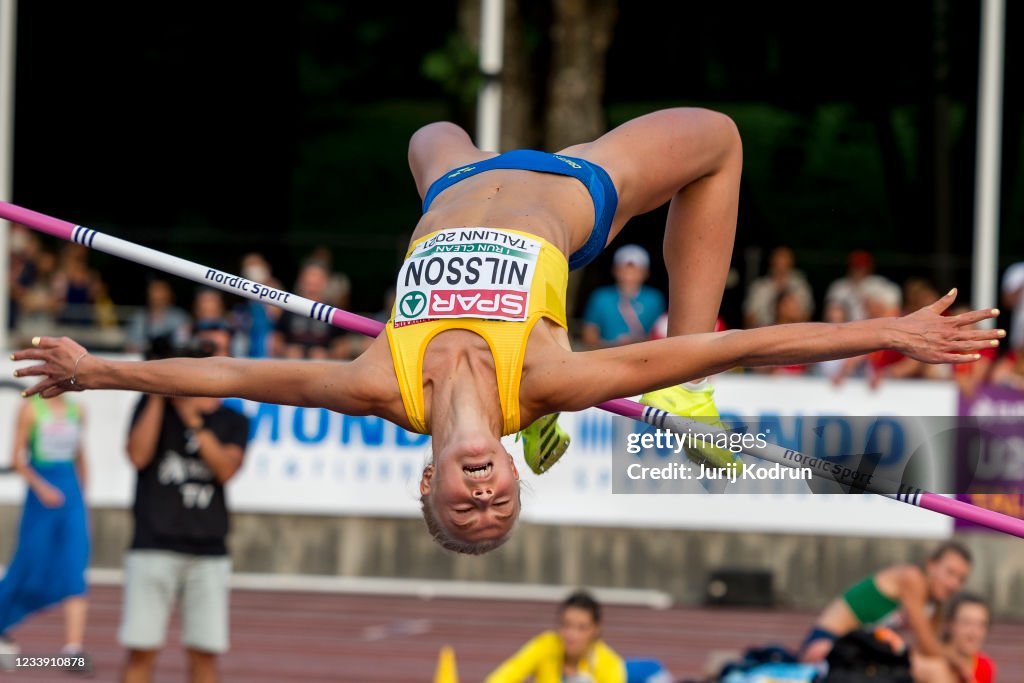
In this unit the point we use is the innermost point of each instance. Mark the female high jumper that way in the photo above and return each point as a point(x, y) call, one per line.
point(477, 347)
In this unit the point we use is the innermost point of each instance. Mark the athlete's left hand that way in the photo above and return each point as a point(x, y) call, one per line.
point(929, 336)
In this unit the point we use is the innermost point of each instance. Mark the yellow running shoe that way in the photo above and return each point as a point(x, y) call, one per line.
point(697, 404)
point(544, 442)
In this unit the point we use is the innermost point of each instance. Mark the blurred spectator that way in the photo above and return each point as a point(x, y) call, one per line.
point(575, 652)
point(1009, 370)
point(881, 299)
point(74, 287)
point(850, 290)
point(966, 628)
point(338, 292)
point(1013, 300)
point(759, 308)
point(103, 305)
point(23, 248)
point(789, 307)
point(49, 563)
point(384, 314)
point(254, 320)
point(660, 328)
point(918, 293)
point(161, 318)
point(969, 376)
point(36, 299)
point(835, 312)
point(297, 336)
point(208, 306)
point(626, 311)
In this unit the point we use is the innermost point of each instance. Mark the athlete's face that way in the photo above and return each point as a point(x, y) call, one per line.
point(968, 628)
point(577, 630)
point(946, 575)
point(475, 492)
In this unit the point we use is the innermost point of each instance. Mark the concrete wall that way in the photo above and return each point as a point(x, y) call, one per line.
point(808, 570)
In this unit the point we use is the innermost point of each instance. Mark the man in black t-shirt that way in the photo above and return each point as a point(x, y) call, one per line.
point(185, 450)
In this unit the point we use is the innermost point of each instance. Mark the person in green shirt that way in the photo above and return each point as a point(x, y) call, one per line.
point(901, 595)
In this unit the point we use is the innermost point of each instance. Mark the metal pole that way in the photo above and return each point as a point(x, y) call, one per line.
point(492, 44)
point(987, 177)
point(8, 21)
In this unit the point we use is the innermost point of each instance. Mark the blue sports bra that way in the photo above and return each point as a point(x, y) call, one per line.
point(596, 179)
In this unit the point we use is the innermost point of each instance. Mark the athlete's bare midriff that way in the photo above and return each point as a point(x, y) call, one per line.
point(556, 208)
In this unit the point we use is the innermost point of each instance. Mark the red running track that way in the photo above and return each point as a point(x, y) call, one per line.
point(279, 637)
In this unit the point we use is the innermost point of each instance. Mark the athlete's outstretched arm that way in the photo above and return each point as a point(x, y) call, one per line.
point(578, 380)
point(336, 386)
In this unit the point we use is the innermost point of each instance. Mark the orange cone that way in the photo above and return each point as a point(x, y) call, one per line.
point(446, 671)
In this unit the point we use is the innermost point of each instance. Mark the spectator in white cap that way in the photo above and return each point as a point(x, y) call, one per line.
point(626, 311)
point(1013, 299)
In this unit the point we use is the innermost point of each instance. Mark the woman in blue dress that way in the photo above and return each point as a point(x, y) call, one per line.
point(49, 563)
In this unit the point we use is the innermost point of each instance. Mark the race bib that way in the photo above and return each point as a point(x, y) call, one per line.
point(467, 273)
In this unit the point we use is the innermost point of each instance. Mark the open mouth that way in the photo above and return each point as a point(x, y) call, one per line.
point(478, 471)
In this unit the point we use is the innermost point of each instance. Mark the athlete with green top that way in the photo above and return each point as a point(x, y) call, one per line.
point(902, 594)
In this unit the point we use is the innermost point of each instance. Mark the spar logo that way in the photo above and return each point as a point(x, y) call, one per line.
point(483, 303)
point(412, 304)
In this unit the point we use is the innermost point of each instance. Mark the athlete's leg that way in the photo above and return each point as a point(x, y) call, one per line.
point(437, 148)
point(691, 158)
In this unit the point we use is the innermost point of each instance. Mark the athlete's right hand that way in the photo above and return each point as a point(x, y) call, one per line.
point(63, 360)
point(929, 336)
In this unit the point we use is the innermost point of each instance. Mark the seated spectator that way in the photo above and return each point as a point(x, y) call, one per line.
point(626, 311)
point(1013, 299)
point(759, 308)
point(896, 596)
point(160, 319)
point(1009, 370)
point(966, 628)
point(850, 290)
point(297, 336)
point(575, 652)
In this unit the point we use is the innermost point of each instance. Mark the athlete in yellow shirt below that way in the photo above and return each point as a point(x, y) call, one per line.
point(574, 653)
point(477, 345)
